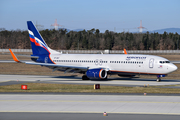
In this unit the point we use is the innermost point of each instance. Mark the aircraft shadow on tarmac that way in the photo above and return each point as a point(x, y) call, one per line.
point(76, 78)
point(143, 79)
point(66, 78)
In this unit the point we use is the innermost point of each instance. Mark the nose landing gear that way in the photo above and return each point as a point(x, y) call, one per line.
point(158, 79)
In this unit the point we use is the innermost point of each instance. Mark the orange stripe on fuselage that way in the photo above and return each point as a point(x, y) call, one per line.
point(51, 59)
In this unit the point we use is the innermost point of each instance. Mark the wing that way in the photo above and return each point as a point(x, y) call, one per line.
point(65, 68)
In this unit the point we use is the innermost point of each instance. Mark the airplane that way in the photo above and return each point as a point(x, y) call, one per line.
point(95, 66)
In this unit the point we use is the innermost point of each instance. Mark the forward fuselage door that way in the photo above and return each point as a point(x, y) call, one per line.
point(151, 63)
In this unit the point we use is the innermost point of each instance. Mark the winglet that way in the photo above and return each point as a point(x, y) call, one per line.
point(125, 51)
point(14, 57)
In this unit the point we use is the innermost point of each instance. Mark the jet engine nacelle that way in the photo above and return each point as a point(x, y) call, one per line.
point(96, 73)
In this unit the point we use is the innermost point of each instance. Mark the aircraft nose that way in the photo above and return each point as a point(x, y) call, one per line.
point(173, 67)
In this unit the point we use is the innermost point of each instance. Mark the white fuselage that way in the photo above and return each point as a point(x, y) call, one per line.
point(118, 63)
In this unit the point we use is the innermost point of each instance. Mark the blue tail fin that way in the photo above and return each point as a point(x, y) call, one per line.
point(38, 45)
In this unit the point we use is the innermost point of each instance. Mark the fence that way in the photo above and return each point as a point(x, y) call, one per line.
point(104, 51)
point(16, 50)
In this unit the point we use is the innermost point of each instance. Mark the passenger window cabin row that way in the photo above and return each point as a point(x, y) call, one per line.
point(96, 61)
point(82, 61)
point(127, 62)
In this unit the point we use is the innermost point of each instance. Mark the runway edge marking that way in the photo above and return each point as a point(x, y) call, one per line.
point(85, 101)
point(91, 112)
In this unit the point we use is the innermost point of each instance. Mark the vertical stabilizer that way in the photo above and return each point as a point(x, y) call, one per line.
point(38, 45)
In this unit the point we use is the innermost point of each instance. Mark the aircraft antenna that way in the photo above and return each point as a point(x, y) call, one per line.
point(39, 27)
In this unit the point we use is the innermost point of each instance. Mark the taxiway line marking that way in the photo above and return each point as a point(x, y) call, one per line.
point(92, 112)
point(84, 101)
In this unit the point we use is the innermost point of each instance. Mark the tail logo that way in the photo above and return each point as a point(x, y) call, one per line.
point(46, 60)
point(36, 41)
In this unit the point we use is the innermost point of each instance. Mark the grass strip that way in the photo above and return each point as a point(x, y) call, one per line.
point(45, 87)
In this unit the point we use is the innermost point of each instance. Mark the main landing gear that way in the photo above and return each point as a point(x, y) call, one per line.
point(84, 77)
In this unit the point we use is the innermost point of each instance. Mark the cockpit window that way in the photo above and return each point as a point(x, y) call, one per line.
point(164, 62)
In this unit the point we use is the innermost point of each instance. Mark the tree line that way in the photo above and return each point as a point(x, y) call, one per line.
point(91, 40)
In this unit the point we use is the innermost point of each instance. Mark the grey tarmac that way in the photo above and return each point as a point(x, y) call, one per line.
point(129, 104)
point(83, 116)
point(87, 105)
point(18, 79)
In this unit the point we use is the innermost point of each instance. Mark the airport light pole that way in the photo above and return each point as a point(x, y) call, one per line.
point(177, 44)
point(78, 44)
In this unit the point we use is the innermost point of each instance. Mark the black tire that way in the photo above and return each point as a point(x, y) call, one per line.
point(84, 77)
point(158, 80)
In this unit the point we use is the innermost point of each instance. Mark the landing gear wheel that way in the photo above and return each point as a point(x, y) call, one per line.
point(84, 77)
point(158, 79)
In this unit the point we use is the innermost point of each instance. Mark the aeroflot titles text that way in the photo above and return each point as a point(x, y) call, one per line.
point(133, 57)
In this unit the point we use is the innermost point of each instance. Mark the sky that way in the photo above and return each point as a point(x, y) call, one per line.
point(112, 15)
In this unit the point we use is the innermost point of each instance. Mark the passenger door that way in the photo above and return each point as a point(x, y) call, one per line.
point(151, 63)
